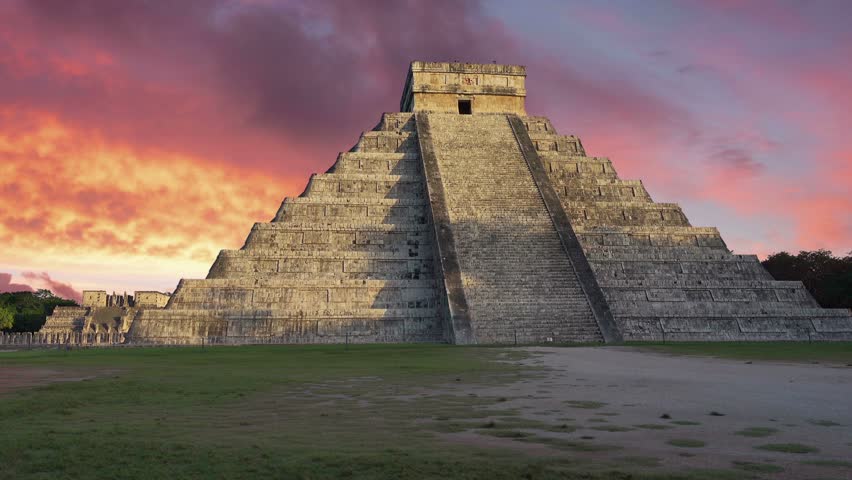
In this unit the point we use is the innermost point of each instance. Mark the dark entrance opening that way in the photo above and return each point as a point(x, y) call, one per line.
point(464, 107)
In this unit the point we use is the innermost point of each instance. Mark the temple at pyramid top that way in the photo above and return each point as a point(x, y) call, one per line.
point(464, 88)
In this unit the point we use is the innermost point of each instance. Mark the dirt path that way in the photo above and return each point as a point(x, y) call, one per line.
point(16, 377)
point(662, 398)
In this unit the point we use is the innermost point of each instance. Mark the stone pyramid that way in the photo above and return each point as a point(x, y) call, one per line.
point(463, 220)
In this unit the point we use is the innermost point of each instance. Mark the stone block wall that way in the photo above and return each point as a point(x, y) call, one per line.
point(59, 339)
point(351, 259)
point(65, 319)
point(490, 88)
point(663, 278)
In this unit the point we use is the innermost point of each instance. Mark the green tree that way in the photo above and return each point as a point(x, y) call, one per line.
point(44, 294)
point(7, 318)
point(30, 310)
point(828, 278)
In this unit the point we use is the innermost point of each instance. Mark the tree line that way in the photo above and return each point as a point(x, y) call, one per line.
point(27, 311)
point(828, 278)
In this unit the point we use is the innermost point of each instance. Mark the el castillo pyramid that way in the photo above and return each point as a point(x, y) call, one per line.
point(461, 219)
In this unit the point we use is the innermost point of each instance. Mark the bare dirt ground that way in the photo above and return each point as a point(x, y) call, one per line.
point(641, 401)
point(15, 378)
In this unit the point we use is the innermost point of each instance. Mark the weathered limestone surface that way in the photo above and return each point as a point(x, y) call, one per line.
point(490, 88)
point(42, 339)
point(663, 278)
point(65, 319)
point(89, 320)
point(148, 299)
point(517, 279)
point(351, 259)
point(102, 315)
point(463, 220)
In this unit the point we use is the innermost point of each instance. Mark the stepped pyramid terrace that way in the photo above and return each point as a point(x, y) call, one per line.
point(102, 316)
point(463, 219)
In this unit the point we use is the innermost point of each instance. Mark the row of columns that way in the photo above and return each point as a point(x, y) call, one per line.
point(63, 338)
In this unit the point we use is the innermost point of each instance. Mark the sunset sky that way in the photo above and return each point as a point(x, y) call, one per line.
point(138, 138)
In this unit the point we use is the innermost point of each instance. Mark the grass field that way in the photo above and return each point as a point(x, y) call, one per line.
point(312, 412)
point(833, 352)
point(294, 412)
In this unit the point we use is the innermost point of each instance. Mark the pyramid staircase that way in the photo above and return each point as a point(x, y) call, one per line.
point(663, 278)
point(518, 281)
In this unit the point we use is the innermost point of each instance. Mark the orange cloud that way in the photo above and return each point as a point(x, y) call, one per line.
point(68, 193)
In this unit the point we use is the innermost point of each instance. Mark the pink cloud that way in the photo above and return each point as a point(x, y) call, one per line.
point(6, 285)
point(37, 281)
point(60, 289)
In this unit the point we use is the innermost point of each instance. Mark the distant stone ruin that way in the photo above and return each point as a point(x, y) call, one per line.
point(107, 316)
point(462, 219)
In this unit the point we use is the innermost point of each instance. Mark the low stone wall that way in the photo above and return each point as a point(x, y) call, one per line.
point(28, 339)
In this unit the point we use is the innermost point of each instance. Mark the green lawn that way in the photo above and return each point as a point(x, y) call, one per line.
point(311, 412)
point(831, 352)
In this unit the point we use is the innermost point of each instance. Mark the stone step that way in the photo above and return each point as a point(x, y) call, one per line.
point(681, 279)
point(538, 125)
point(330, 276)
point(705, 283)
point(593, 189)
point(377, 162)
point(396, 122)
point(706, 267)
point(420, 305)
point(367, 250)
point(366, 201)
point(716, 309)
point(657, 236)
point(287, 283)
point(639, 230)
point(811, 325)
point(386, 141)
point(566, 156)
point(604, 182)
point(563, 170)
point(353, 314)
point(337, 223)
point(337, 234)
point(322, 213)
point(636, 214)
point(565, 333)
point(370, 176)
point(601, 253)
point(297, 227)
point(549, 141)
point(226, 266)
point(365, 184)
point(308, 298)
point(227, 326)
point(65, 320)
point(744, 292)
point(414, 252)
point(423, 306)
point(607, 204)
point(380, 237)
